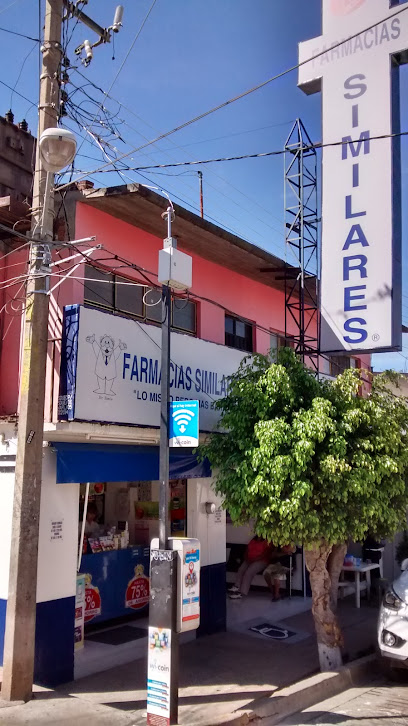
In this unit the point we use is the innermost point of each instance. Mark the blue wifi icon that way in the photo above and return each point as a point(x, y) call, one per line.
point(182, 418)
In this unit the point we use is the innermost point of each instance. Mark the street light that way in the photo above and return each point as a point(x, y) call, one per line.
point(57, 148)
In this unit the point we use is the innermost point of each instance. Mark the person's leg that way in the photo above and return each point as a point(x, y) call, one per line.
point(269, 580)
point(240, 573)
point(253, 569)
point(276, 588)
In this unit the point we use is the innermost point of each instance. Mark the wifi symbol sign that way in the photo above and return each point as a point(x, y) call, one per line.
point(184, 423)
point(182, 418)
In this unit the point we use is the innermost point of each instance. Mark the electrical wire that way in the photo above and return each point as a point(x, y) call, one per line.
point(10, 5)
point(138, 32)
point(182, 148)
point(278, 152)
point(193, 204)
point(21, 35)
point(20, 72)
point(232, 100)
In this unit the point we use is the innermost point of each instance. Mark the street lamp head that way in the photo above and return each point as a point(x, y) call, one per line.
point(57, 149)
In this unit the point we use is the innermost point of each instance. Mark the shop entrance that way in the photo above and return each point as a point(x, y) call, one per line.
point(117, 521)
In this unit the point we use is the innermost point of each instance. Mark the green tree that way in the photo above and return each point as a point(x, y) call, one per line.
point(312, 462)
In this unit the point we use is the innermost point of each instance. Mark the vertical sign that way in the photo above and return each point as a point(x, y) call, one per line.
point(158, 677)
point(191, 587)
point(183, 428)
point(354, 64)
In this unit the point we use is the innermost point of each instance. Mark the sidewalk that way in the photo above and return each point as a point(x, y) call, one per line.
point(380, 704)
point(218, 675)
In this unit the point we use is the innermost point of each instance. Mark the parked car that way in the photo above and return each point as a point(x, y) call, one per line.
point(393, 621)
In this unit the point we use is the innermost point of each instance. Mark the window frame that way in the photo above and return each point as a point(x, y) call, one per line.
point(248, 323)
point(142, 317)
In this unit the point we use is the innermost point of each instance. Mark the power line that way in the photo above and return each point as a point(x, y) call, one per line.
point(254, 88)
point(191, 204)
point(21, 35)
point(217, 190)
point(278, 152)
point(138, 32)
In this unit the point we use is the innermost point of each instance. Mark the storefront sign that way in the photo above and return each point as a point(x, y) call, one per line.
point(158, 677)
point(361, 207)
point(110, 370)
point(138, 590)
point(183, 423)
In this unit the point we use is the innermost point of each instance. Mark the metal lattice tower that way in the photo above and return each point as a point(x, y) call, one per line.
point(302, 320)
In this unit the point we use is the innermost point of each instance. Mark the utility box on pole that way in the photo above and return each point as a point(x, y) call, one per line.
point(175, 267)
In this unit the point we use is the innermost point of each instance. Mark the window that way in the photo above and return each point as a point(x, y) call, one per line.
point(340, 363)
point(278, 340)
point(238, 334)
point(184, 315)
point(99, 287)
point(117, 294)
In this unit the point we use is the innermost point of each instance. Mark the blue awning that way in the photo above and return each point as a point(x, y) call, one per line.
point(116, 462)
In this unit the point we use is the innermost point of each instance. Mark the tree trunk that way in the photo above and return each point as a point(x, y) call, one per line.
point(334, 565)
point(329, 637)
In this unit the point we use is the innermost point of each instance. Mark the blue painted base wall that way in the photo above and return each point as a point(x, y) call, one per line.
point(54, 641)
point(213, 615)
point(3, 608)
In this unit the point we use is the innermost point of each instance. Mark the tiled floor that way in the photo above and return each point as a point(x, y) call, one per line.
point(259, 604)
point(96, 657)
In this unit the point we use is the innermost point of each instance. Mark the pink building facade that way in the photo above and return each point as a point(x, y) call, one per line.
point(108, 436)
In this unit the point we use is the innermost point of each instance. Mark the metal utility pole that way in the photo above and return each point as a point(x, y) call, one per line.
point(200, 181)
point(19, 645)
point(164, 406)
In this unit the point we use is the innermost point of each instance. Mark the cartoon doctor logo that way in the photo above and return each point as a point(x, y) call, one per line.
point(106, 353)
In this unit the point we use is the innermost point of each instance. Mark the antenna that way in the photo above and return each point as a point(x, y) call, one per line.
point(117, 20)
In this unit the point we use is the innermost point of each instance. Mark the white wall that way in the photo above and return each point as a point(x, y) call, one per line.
point(240, 534)
point(208, 528)
point(57, 558)
point(7, 448)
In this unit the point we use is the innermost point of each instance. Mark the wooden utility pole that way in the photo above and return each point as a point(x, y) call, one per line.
point(19, 646)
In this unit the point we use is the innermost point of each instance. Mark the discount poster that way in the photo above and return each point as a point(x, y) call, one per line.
point(158, 677)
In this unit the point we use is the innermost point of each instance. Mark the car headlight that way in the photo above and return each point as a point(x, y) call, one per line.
point(391, 640)
point(392, 601)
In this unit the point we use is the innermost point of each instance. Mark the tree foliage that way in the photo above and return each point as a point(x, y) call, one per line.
point(310, 460)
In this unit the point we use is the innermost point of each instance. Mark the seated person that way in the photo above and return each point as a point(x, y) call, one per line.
point(279, 565)
point(255, 561)
point(92, 528)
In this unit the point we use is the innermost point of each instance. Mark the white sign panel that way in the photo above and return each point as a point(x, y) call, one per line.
point(158, 676)
point(188, 605)
point(361, 206)
point(113, 370)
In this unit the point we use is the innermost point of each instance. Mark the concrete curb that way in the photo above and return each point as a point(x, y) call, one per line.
point(303, 694)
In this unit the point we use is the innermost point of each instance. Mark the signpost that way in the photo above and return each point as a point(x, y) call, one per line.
point(355, 65)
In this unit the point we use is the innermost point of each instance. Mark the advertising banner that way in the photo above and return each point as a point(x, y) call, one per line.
point(191, 585)
point(354, 64)
point(158, 677)
point(110, 370)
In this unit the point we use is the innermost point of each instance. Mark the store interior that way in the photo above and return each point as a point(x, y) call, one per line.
point(117, 521)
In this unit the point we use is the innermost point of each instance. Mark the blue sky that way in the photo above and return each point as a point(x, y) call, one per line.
point(191, 56)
